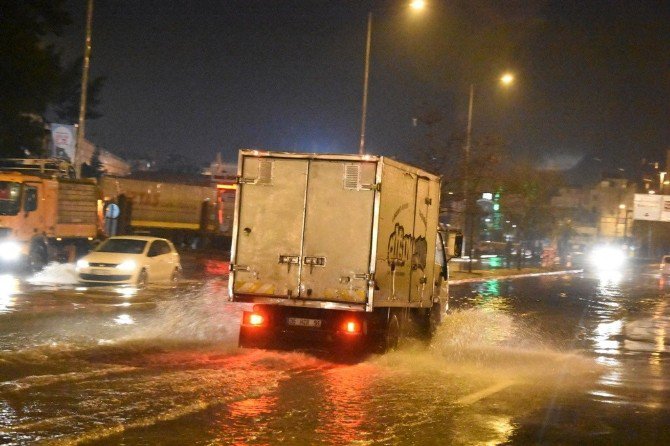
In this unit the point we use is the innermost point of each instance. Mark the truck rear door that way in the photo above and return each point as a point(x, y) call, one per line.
point(338, 231)
point(304, 229)
point(270, 226)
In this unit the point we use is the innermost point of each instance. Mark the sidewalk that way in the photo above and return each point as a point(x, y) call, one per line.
point(480, 275)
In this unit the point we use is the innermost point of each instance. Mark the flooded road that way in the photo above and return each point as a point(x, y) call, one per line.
point(573, 359)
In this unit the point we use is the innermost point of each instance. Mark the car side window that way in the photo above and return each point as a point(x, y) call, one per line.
point(158, 248)
point(154, 250)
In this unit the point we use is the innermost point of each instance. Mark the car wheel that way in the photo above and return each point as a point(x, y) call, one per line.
point(142, 279)
point(176, 276)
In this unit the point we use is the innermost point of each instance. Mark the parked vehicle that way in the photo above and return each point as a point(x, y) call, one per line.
point(47, 215)
point(44, 213)
point(341, 249)
point(177, 210)
point(130, 260)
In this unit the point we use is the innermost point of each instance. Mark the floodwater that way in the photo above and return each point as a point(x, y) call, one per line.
point(574, 359)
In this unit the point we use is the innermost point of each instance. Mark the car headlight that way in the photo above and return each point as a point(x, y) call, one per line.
point(81, 263)
point(127, 265)
point(10, 251)
point(608, 257)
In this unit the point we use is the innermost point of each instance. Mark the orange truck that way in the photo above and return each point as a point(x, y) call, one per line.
point(44, 214)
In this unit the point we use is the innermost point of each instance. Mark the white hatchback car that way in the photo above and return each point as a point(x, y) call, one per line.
point(130, 260)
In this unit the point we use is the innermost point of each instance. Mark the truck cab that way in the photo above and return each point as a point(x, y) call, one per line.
point(20, 219)
point(44, 213)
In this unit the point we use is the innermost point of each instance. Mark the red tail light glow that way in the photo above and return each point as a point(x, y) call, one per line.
point(352, 327)
point(254, 319)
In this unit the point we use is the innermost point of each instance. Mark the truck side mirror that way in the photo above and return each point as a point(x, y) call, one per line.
point(454, 244)
point(30, 202)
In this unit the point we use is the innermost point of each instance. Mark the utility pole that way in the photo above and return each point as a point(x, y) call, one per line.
point(467, 221)
point(84, 88)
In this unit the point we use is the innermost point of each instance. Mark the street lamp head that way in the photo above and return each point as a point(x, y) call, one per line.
point(507, 79)
point(417, 5)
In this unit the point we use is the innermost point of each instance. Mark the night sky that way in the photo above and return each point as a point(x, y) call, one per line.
point(201, 77)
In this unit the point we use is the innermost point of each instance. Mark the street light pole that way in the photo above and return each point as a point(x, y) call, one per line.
point(366, 76)
point(468, 220)
point(467, 247)
point(415, 5)
point(84, 88)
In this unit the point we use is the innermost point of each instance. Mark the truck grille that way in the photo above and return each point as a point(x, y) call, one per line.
point(104, 278)
point(103, 265)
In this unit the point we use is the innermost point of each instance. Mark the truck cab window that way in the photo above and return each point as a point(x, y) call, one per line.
point(30, 202)
point(10, 194)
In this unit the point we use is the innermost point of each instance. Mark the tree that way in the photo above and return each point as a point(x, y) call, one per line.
point(29, 71)
point(96, 168)
point(527, 200)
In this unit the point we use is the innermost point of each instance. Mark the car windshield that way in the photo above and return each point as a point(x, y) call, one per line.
point(123, 245)
point(9, 198)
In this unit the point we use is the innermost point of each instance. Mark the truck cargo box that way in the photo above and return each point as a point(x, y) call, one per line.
point(172, 206)
point(350, 232)
point(77, 209)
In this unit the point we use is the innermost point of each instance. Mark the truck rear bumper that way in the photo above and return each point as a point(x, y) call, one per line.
point(289, 327)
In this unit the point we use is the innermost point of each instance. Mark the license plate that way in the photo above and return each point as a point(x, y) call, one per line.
point(99, 271)
point(302, 322)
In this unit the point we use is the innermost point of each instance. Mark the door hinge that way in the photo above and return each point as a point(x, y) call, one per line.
point(234, 267)
point(240, 180)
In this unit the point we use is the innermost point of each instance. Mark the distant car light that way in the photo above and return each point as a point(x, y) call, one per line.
point(608, 257)
point(127, 265)
point(10, 251)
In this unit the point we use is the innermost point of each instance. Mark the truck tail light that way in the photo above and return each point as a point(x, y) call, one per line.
point(253, 319)
point(352, 327)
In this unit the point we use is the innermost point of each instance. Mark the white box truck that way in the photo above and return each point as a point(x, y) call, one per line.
point(342, 249)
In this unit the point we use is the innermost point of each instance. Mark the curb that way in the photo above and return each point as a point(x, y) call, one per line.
point(514, 276)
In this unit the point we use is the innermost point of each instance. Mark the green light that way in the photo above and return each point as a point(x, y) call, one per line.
point(496, 207)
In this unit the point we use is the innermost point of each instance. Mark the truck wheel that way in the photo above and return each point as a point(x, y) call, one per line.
point(392, 334)
point(142, 279)
point(37, 257)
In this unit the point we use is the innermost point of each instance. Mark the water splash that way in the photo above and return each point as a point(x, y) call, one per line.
point(55, 274)
point(488, 345)
point(201, 315)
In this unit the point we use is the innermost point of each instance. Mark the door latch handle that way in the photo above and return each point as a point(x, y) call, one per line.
point(289, 260)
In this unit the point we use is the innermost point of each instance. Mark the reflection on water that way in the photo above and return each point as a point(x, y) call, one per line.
point(9, 286)
point(253, 411)
point(609, 281)
point(124, 319)
point(346, 390)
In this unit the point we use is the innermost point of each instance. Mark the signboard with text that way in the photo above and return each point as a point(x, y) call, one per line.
point(651, 207)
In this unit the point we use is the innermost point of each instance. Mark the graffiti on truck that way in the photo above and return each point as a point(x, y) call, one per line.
point(404, 247)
